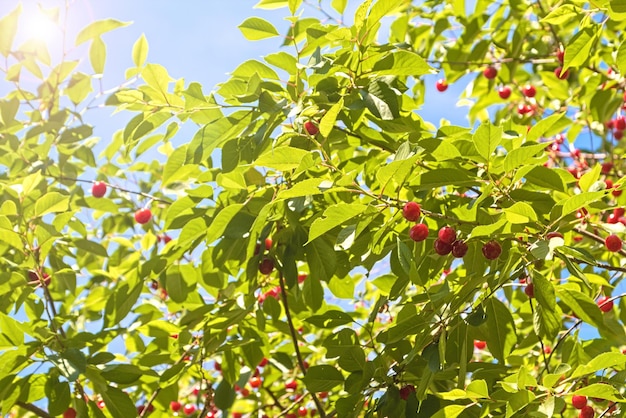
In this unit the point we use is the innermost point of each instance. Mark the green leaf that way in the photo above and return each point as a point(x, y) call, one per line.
point(339, 5)
point(8, 29)
point(521, 156)
point(402, 63)
point(578, 50)
point(140, 51)
point(50, 203)
point(500, 328)
point(565, 13)
point(381, 100)
point(520, 213)
point(221, 222)
point(486, 139)
point(601, 390)
point(330, 118)
point(97, 28)
point(330, 319)
point(282, 159)
point(547, 323)
point(156, 76)
point(600, 362)
point(589, 178)
point(322, 260)
point(97, 55)
point(322, 378)
point(547, 126)
point(582, 305)
point(11, 335)
point(118, 403)
point(255, 28)
point(333, 217)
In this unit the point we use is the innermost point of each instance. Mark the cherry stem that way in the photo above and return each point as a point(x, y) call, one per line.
point(294, 337)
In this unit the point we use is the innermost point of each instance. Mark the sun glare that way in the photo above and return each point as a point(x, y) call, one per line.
point(40, 27)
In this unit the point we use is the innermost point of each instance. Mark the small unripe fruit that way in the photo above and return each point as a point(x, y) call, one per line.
point(143, 216)
point(605, 304)
point(586, 412)
point(491, 250)
point(266, 266)
point(490, 73)
point(504, 92)
point(447, 234)
point(311, 128)
point(411, 211)
point(441, 85)
point(442, 248)
point(613, 243)
point(529, 90)
point(459, 249)
point(480, 345)
point(418, 232)
point(99, 189)
point(579, 401)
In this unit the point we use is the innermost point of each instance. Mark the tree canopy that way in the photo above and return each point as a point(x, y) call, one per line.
point(318, 247)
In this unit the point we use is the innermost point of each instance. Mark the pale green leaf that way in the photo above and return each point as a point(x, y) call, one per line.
point(282, 159)
point(578, 50)
point(97, 55)
point(402, 63)
point(140, 51)
point(255, 28)
point(97, 28)
point(8, 29)
point(520, 213)
point(328, 121)
point(333, 217)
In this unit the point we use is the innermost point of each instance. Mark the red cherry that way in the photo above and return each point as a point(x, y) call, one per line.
point(302, 277)
point(560, 55)
point(291, 385)
point(613, 243)
point(504, 92)
point(492, 250)
point(480, 345)
point(579, 401)
point(256, 382)
point(618, 135)
point(302, 411)
point(447, 234)
point(311, 128)
point(620, 123)
point(529, 90)
point(237, 415)
point(605, 304)
point(609, 183)
point(606, 167)
point(557, 73)
point(189, 409)
point(441, 85)
point(266, 266)
point(490, 73)
point(459, 249)
point(99, 189)
point(323, 395)
point(418, 232)
point(554, 234)
point(291, 415)
point(406, 391)
point(547, 349)
point(263, 362)
point(69, 413)
point(612, 219)
point(530, 290)
point(586, 412)
point(101, 404)
point(524, 109)
point(411, 211)
point(143, 216)
point(619, 212)
point(442, 248)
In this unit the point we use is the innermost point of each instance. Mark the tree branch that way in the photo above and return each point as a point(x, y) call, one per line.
point(34, 409)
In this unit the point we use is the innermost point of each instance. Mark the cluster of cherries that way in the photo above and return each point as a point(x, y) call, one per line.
point(142, 216)
point(447, 241)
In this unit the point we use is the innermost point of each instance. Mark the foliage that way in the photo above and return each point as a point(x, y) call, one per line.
point(300, 166)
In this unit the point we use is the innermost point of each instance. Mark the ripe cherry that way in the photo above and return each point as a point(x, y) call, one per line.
point(441, 85)
point(613, 243)
point(480, 345)
point(504, 92)
point(560, 55)
point(266, 266)
point(529, 90)
point(447, 234)
point(530, 290)
point(605, 304)
point(579, 401)
point(189, 409)
point(99, 189)
point(311, 128)
point(586, 412)
point(291, 385)
point(411, 211)
point(459, 249)
point(418, 232)
point(256, 382)
point(441, 247)
point(490, 73)
point(302, 411)
point(406, 391)
point(492, 250)
point(606, 167)
point(559, 75)
point(620, 123)
point(143, 216)
point(524, 109)
point(69, 413)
